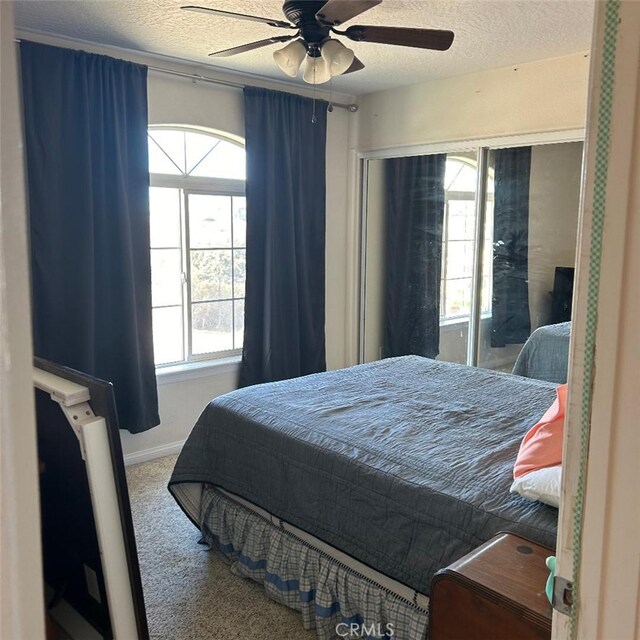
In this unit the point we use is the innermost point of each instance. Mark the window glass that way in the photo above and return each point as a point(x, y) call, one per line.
point(209, 221)
point(171, 144)
point(164, 205)
point(212, 275)
point(197, 147)
point(166, 277)
point(239, 222)
point(198, 240)
point(238, 323)
point(212, 326)
point(239, 272)
point(159, 161)
point(225, 160)
point(167, 335)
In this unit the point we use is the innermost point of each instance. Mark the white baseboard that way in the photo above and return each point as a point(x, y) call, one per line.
point(154, 452)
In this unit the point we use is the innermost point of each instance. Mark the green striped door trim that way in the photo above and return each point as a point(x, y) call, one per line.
point(603, 143)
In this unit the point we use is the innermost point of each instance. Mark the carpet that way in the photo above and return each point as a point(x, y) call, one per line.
point(189, 591)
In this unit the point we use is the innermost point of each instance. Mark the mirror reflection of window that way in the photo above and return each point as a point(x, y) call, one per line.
point(458, 260)
point(526, 236)
point(553, 206)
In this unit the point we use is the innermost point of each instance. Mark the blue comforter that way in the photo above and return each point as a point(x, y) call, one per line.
point(545, 355)
point(404, 463)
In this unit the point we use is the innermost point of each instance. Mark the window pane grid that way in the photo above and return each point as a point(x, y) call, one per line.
point(193, 304)
point(234, 248)
point(167, 306)
point(216, 276)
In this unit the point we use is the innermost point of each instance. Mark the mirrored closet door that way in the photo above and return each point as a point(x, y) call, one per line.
point(466, 253)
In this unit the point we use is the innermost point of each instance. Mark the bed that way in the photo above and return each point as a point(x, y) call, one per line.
point(375, 476)
point(545, 355)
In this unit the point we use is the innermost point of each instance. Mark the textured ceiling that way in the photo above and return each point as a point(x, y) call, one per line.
point(489, 33)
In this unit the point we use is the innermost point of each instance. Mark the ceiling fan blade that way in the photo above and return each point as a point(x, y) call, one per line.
point(437, 39)
point(335, 12)
point(239, 16)
point(225, 53)
point(356, 65)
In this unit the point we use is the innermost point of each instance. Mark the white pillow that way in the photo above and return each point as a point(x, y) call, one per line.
point(542, 485)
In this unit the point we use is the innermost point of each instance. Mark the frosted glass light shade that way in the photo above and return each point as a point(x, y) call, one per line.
point(290, 58)
point(338, 57)
point(316, 70)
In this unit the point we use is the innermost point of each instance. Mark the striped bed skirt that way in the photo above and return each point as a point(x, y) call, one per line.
point(337, 596)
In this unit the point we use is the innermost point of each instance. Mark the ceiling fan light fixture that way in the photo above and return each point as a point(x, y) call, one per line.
point(290, 58)
point(316, 70)
point(338, 57)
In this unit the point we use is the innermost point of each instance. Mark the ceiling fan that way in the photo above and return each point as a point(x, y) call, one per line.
point(314, 21)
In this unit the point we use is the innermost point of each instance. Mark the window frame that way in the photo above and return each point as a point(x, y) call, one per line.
point(196, 185)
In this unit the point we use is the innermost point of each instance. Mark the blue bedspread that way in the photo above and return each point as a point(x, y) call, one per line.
point(545, 355)
point(404, 463)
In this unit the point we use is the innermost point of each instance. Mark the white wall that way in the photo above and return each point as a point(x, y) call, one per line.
point(180, 404)
point(21, 588)
point(548, 95)
point(554, 203)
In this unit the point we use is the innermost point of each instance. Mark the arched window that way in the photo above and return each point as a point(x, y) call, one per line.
point(198, 229)
point(459, 240)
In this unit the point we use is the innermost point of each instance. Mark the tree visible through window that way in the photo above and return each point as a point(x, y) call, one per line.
point(198, 230)
point(459, 241)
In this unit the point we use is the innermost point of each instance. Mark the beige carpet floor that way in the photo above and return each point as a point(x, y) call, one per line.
point(189, 591)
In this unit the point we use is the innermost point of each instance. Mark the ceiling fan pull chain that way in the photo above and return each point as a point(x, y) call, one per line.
point(330, 107)
point(313, 115)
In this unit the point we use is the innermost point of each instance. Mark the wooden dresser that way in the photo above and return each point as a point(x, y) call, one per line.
point(496, 592)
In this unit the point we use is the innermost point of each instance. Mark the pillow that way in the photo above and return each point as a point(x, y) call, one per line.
point(542, 485)
point(542, 445)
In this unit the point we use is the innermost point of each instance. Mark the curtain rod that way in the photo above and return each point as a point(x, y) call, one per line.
point(225, 83)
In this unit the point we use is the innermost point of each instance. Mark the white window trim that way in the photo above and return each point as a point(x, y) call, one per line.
point(171, 373)
point(197, 184)
point(450, 324)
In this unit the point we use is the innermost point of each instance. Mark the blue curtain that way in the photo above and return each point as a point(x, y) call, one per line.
point(510, 318)
point(415, 202)
point(85, 119)
point(285, 282)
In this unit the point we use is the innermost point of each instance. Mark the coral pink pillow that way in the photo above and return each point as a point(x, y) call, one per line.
point(542, 446)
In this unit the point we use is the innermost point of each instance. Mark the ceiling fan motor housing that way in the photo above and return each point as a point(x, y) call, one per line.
point(302, 13)
point(313, 22)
